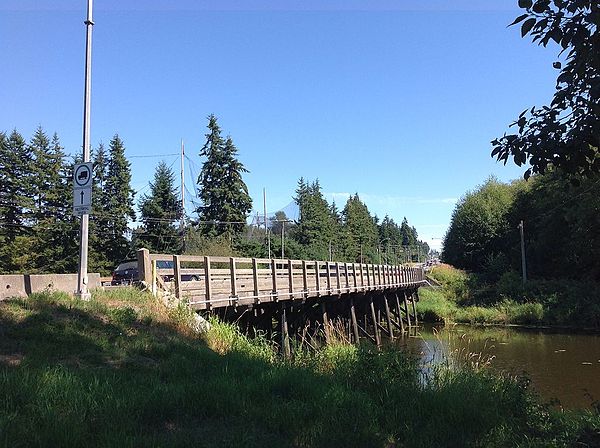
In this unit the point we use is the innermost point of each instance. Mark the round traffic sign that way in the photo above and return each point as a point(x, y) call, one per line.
point(83, 175)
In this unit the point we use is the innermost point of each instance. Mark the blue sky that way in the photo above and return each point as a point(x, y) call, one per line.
point(396, 100)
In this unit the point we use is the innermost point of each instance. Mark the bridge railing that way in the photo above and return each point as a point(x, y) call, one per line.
point(206, 282)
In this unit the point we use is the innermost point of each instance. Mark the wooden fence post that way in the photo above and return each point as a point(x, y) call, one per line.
point(291, 278)
point(207, 281)
point(177, 276)
point(154, 274)
point(304, 279)
point(255, 279)
point(232, 272)
point(274, 278)
point(144, 266)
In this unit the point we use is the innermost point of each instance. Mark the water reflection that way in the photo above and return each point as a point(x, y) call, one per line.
point(563, 367)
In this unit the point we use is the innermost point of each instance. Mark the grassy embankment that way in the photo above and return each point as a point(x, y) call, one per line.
point(466, 298)
point(122, 370)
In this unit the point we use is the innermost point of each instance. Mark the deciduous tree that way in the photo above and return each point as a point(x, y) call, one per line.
point(566, 133)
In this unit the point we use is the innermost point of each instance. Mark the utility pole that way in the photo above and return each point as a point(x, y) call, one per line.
point(267, 237)
point(82, 276)
point(182, 218)
point(282, 239)
point(523, 261)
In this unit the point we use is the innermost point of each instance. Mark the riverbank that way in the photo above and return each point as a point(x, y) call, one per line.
point(122, 370)
point(468, 298)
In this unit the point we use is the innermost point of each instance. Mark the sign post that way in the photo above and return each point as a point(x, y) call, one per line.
point(86, 167)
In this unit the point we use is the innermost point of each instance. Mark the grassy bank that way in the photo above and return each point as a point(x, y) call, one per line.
point(121, 370)
point(468, 298)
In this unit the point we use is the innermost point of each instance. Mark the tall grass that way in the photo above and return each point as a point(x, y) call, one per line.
point(466, 298)
point(122, 370)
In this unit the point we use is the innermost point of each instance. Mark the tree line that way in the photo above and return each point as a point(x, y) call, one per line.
point(559, 206)
point(561, 228)
point(38, 232)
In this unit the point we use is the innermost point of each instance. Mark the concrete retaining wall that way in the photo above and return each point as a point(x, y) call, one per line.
point(12, 286)
point(22, 285)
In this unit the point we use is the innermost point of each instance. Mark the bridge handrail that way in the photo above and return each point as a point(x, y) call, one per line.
point(251, 280)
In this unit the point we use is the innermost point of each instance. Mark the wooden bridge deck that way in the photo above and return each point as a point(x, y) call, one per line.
point(214, 282)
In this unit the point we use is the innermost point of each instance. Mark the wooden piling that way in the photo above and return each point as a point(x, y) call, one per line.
point(285, 337)
point(374, 317)
point(388, 317)
point(325, 319)
point(399, 312)
point(406, 311)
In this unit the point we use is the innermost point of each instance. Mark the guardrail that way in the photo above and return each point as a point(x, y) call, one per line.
point(212, 282)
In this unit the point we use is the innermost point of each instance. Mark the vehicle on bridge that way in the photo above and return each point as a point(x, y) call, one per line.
point(127, 273)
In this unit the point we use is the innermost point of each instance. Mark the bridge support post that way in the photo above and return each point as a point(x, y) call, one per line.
point(285, 337)
point(354, 322)
point(414, 307)
point(406, 311)
point(388, 317)
point(399, 312)
point(326, 328)
point(375, 323)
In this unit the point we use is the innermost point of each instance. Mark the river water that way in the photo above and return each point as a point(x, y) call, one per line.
point(561, 366)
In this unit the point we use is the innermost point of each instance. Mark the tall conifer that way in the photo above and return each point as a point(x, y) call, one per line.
point(159, 212)
point(221, 189)
point(119, 195)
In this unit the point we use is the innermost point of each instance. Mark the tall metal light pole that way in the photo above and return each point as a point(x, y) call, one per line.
point(82, 277)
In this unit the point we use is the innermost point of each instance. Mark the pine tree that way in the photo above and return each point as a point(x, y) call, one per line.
point(119, 196)
point(159, 211)
point(390, 238)
point(100, 218)
point(67, 225)
point(54, 226)
point(16, 201)
point(316, 226)
point(224, 195)
point(360, 231)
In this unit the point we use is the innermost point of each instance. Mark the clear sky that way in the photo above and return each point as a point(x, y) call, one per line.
point(396, 100)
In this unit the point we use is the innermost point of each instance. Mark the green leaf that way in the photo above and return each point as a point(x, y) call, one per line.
point(525, 4)
point(540, 6)
point(526, 27)
point(519, 19)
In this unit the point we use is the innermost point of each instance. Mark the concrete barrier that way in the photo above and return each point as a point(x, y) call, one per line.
point(23, 285)
point(12, 286)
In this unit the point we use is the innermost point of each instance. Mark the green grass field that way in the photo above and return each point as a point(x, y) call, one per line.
point(123, 370)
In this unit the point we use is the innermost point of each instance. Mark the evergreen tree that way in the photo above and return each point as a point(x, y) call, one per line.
point(54, 226)
point(390, 238)
point(224, 195)
point(119, 197)
point(67, 225)
point(159, 211)
point(359, 231)
point(16, 202)
point(100, 219)
point(316, 226)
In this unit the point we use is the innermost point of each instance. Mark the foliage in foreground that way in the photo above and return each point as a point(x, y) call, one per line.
point(564, 133)
point(122, 370)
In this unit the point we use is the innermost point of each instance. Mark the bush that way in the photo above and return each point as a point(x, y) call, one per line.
point(455, 283)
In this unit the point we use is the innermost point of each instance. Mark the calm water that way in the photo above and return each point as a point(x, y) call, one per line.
point(561, 366)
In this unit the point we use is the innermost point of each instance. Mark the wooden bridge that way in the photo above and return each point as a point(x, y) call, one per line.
point(291, 296)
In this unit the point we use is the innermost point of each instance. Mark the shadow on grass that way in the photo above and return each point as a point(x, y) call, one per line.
point(72, 376)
